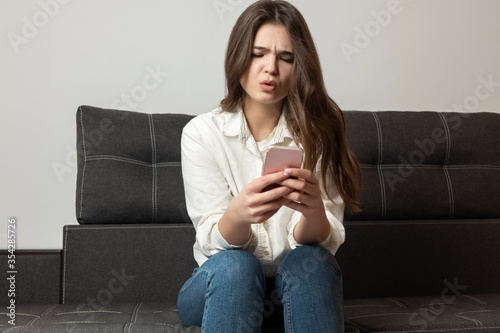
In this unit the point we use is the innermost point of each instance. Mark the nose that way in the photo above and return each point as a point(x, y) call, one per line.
point(271, 68)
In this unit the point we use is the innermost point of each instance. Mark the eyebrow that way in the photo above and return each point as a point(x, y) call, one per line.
point(261, 48)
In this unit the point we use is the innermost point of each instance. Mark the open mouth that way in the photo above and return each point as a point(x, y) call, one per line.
point(268, 85)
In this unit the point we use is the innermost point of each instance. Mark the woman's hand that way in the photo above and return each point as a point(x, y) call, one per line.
point(253, 205)
point(306, 198)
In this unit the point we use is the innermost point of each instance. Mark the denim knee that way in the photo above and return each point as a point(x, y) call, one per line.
point(311, 263)
point(235, 266)
point(230, 283)
point(309, 283)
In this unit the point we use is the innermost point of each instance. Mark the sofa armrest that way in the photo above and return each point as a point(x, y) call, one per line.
point(126, 263)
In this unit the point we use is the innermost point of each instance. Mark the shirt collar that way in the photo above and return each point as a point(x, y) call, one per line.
point(236, 125)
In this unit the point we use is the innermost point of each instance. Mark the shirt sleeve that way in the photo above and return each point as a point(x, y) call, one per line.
point(335, 215)
point(206, 189)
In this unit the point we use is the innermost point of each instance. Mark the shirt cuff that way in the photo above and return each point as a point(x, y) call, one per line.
point(332, 242)
point(221, 242)
point(293, 223)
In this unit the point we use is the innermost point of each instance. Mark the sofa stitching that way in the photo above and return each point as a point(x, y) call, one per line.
point(84, 161)
point(398, 303)
point(79, 312)
point(475, 299)
point(477, 311)
point(381, 314)
point(379, 163)
point(365, 305)
point(465, 167)
point(43, 314)
point(446, 161)
point(357, 325)
point(133, 319)
point(432, 166)
point(133, 161)
point(21, 314)
point(153, 161)
point(164, 324)
point(448, 138)
point(135, 313)
point(119, 159)
point(81, 322)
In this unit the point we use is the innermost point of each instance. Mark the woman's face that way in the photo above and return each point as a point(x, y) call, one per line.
point(267, 78)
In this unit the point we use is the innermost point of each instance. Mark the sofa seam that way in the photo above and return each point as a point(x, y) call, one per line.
point(135, 313)
point(153, 164)
point(433, 166)
point(379, 163)
point(30, 323)
point(475, 299)
point(380, 314)
point(132, 161)
point(446, 161)
point(84, 162)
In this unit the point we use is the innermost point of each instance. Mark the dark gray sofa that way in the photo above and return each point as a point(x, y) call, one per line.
point(423, 255)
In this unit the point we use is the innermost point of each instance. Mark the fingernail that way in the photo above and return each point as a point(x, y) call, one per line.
point(288, 172)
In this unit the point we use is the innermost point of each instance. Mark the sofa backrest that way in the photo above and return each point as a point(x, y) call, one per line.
point(129, 167)
point(430, 195)
point(426, 165)
point(431, 204)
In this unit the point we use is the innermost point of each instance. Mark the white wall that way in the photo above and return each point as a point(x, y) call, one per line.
point(56, 55)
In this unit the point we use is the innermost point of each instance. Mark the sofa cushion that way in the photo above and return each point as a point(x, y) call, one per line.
point(415, 258)
point(426, 165)
point(129, 167)
point(450, 311)
point(120, 317)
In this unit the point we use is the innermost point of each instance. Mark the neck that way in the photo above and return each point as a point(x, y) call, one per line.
point(261, 119)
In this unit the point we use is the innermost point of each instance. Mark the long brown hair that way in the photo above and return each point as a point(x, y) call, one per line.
point(313, 118)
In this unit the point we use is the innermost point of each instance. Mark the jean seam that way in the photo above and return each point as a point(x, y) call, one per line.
point(286, 291)
point(209, 279)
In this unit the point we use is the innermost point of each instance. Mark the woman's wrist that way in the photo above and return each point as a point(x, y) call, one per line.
point(312, 230)
point(235, 233)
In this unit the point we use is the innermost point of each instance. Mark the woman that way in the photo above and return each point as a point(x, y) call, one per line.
point(268, 254)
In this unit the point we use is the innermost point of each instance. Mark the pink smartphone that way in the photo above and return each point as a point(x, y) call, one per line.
point(279, 158)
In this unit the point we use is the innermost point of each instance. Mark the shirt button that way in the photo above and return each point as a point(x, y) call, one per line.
point(266, 252)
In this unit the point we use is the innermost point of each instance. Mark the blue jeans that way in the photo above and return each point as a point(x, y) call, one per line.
point(227, 293)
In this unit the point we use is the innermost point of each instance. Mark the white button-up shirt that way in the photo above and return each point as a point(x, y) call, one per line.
point(219, 158)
